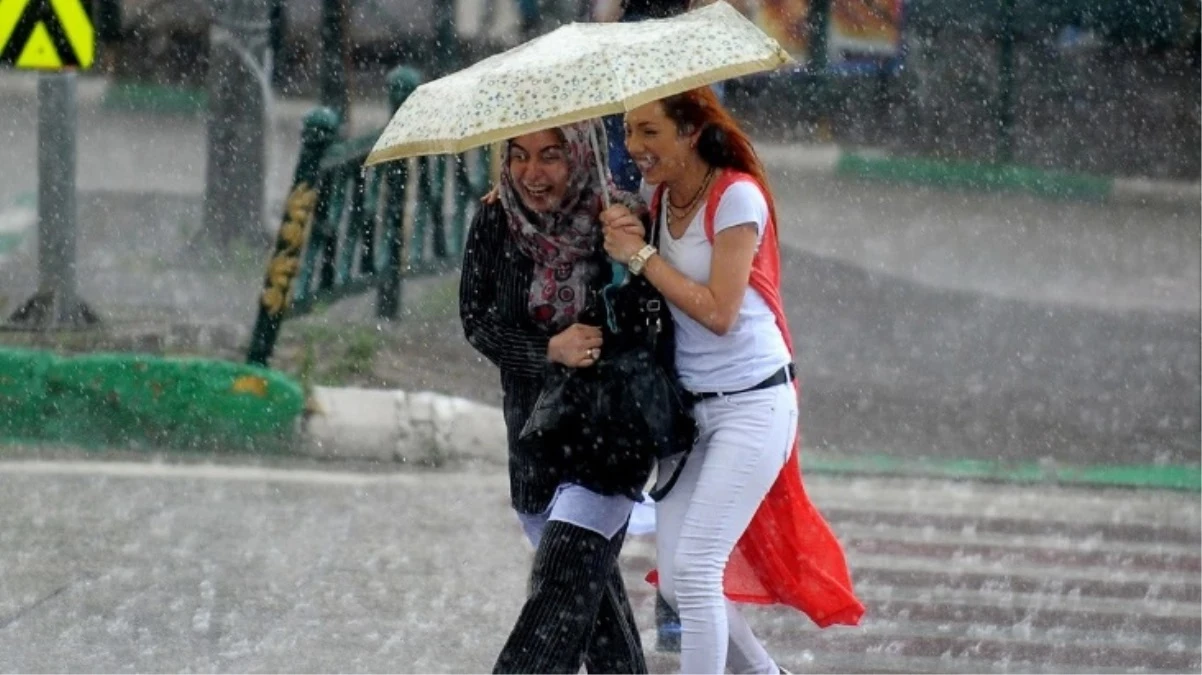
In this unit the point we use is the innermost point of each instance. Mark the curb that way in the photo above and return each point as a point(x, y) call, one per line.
point(1011, 178)
point(390, 425)
point(1166, 477)
point(90, 86)
point(434, 429)
point(16, 222)
point(115, 400)
point(870, 164)
point(155, 98)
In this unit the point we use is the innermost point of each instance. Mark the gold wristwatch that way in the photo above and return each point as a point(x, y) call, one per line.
point(639, 261)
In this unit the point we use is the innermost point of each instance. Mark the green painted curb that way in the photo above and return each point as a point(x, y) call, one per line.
point(155, 98)
point(1167, 477)
point(10, 240)
point(121, 400)
point(977, 176)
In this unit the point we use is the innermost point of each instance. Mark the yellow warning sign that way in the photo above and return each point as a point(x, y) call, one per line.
point(46, 34)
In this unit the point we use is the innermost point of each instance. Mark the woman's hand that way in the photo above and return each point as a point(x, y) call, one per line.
point(622, 243)
point(620, 217)
point(577, 346)
point(491, 196)
point(624, 233)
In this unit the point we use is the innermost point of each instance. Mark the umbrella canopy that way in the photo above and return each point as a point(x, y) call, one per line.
point(576, 72)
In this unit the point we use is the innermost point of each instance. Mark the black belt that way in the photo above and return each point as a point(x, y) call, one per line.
point(782, 376)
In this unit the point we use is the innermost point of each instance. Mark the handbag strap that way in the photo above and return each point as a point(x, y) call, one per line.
point(659, 493)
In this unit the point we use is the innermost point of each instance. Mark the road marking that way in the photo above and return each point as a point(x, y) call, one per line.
point(871, 594)
point(1011, 569)
point(1075, 505)
point(235, 473)
point(935, 535)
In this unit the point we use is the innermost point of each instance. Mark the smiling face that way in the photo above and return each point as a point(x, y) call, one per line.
point(657, 145)
point(538, 163)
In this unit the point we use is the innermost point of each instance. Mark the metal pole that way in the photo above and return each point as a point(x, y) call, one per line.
point(446, 47)
point(818, 24)
point(334, 57)
point(56, 303)
point(817, 29)
point(56, 186)
point(239, 86)
point(1005, 96)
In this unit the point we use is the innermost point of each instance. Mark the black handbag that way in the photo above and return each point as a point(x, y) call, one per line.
point(608, 424)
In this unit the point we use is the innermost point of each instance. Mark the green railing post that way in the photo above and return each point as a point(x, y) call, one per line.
point(434, 200)
point(464, 189)
point(467, 191)
point(319, 131)
point(401, 83)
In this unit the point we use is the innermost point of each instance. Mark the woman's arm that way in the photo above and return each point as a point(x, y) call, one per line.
point(714, 305)
point(485, 276)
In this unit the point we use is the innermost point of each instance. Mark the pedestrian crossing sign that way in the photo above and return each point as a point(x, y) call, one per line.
point(46, 34)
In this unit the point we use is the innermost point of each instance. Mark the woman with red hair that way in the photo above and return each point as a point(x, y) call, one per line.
point(737, 522)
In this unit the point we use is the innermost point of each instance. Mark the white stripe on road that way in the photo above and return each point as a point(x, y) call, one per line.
point(1043, 503)
point(958, 537)
point(871, 594)
point(915, 497)
point(1138, 190)
point(1023, 633)
point(235, 473)
point(1010, 569)
point(17, 220)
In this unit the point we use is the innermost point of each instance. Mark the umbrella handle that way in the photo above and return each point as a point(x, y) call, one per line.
point(618, 270)
point(602, 168)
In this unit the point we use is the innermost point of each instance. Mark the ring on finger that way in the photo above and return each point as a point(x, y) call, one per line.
point(594, 353)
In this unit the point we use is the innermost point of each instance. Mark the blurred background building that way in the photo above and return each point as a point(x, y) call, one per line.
point(1102, 86)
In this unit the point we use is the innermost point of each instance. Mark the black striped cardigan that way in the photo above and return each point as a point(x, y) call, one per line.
point(494, 293)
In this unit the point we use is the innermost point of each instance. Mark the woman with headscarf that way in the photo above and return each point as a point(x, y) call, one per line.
point(532, 269)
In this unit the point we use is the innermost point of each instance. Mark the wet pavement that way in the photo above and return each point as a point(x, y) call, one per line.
point(313, 567)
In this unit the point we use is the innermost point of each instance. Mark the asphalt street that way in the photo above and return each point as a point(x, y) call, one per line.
point(287, 566)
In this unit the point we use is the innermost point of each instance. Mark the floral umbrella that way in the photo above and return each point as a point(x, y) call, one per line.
point(579, 71)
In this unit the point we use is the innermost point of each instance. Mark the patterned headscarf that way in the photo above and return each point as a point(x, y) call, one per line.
point(564, 243)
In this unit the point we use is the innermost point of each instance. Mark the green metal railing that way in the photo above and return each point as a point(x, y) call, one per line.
point(345, 229)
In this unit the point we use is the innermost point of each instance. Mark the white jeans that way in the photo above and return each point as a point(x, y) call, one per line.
point(744, 441)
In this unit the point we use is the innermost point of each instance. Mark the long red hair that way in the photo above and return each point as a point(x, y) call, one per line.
point(723, 143)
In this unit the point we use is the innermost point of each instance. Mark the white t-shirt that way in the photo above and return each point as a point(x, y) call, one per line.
point(753, 349)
